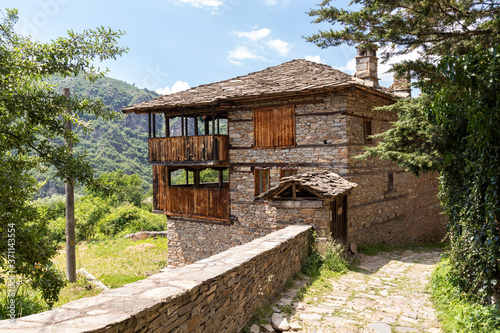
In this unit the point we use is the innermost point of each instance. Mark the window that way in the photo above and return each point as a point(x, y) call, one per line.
point(274, 127)
point(287, 172)
point(390, 181)
point(367, 130)
point(181, 177)
point(199, 178)
point(261, 181)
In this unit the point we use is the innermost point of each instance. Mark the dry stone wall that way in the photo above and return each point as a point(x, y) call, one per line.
point(218, 294)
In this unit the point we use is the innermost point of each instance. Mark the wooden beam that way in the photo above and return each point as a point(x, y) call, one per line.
point(154, 125)
point(149, 125)
point(321, 113)
point(303, 146)
point(206, 126)
point(221, 185)
point(167, 126)
point(182, 123)
point(192, 216)
point(213, 120)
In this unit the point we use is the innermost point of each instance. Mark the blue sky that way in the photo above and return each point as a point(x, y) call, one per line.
point(179, 43)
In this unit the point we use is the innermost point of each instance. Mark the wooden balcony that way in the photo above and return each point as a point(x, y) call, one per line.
point(199, 203)
point(200, 149)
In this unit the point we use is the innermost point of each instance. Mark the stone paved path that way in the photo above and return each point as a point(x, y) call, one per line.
point(387, 294)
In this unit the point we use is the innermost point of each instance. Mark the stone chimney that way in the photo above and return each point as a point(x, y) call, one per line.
point(366, 65)
point(401, 86)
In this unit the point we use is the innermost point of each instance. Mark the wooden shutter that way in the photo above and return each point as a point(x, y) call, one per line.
point(261, 181)
point(274, 127)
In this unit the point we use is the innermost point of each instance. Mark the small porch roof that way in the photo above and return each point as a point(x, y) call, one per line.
point(323, 184)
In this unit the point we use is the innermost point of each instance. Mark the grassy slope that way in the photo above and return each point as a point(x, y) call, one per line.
point(114, 262)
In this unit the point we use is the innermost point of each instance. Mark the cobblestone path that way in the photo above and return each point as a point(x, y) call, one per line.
point(386, 294)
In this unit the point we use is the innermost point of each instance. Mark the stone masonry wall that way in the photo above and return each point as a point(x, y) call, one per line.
point(190, 241)
point(407, 212)
point(218, 294)
point(321, 143)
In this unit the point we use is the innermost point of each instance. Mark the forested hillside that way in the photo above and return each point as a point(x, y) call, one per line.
point(118, 144)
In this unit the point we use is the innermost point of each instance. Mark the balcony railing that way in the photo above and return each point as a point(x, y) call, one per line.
point(185, 149)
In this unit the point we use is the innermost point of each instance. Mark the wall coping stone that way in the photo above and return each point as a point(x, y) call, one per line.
point(113, 306)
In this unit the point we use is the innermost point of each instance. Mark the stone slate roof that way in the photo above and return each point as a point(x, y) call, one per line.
point(324, 184)
point(296, 76)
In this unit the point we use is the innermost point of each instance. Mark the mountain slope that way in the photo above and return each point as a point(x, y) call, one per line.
point(116, 144)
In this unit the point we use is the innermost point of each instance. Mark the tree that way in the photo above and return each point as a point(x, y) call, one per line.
point(453, 127)
point(32, 117)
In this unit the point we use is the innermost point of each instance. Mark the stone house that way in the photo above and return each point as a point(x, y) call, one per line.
point(257, 152)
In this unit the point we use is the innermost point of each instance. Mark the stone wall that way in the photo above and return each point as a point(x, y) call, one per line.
point(218, 294)
point(389, 205)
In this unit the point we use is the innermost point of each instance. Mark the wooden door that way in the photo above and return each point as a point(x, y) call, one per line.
point(338, 219)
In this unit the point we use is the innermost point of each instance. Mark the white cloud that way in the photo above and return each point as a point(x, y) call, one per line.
point(242, 53)
point(350, 67)
point(178, 86)
point(270, 2)
point(256, 34)
point(204, 3)
point(315, 58)
point(280, 46)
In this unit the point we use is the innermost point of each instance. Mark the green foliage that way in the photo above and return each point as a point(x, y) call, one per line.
point(27, 302)
point(123, 188)
point(413, 140)
point(453, 127)
point(103, 214)
point(436, 27)
point(89, 211)
point(130, 219)
point(314, 261)
point(50, 282)
point(455, 312)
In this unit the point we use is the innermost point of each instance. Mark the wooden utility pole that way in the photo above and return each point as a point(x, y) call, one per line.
point(70, 211)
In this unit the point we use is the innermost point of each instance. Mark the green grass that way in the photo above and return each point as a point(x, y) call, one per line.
point(114, 262)
point(374, 249)
point(73, 291)
point(454, 311)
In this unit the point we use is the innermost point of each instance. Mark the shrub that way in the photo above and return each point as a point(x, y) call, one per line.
point(88, 212)
point(335, 258)
point(129, 219)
